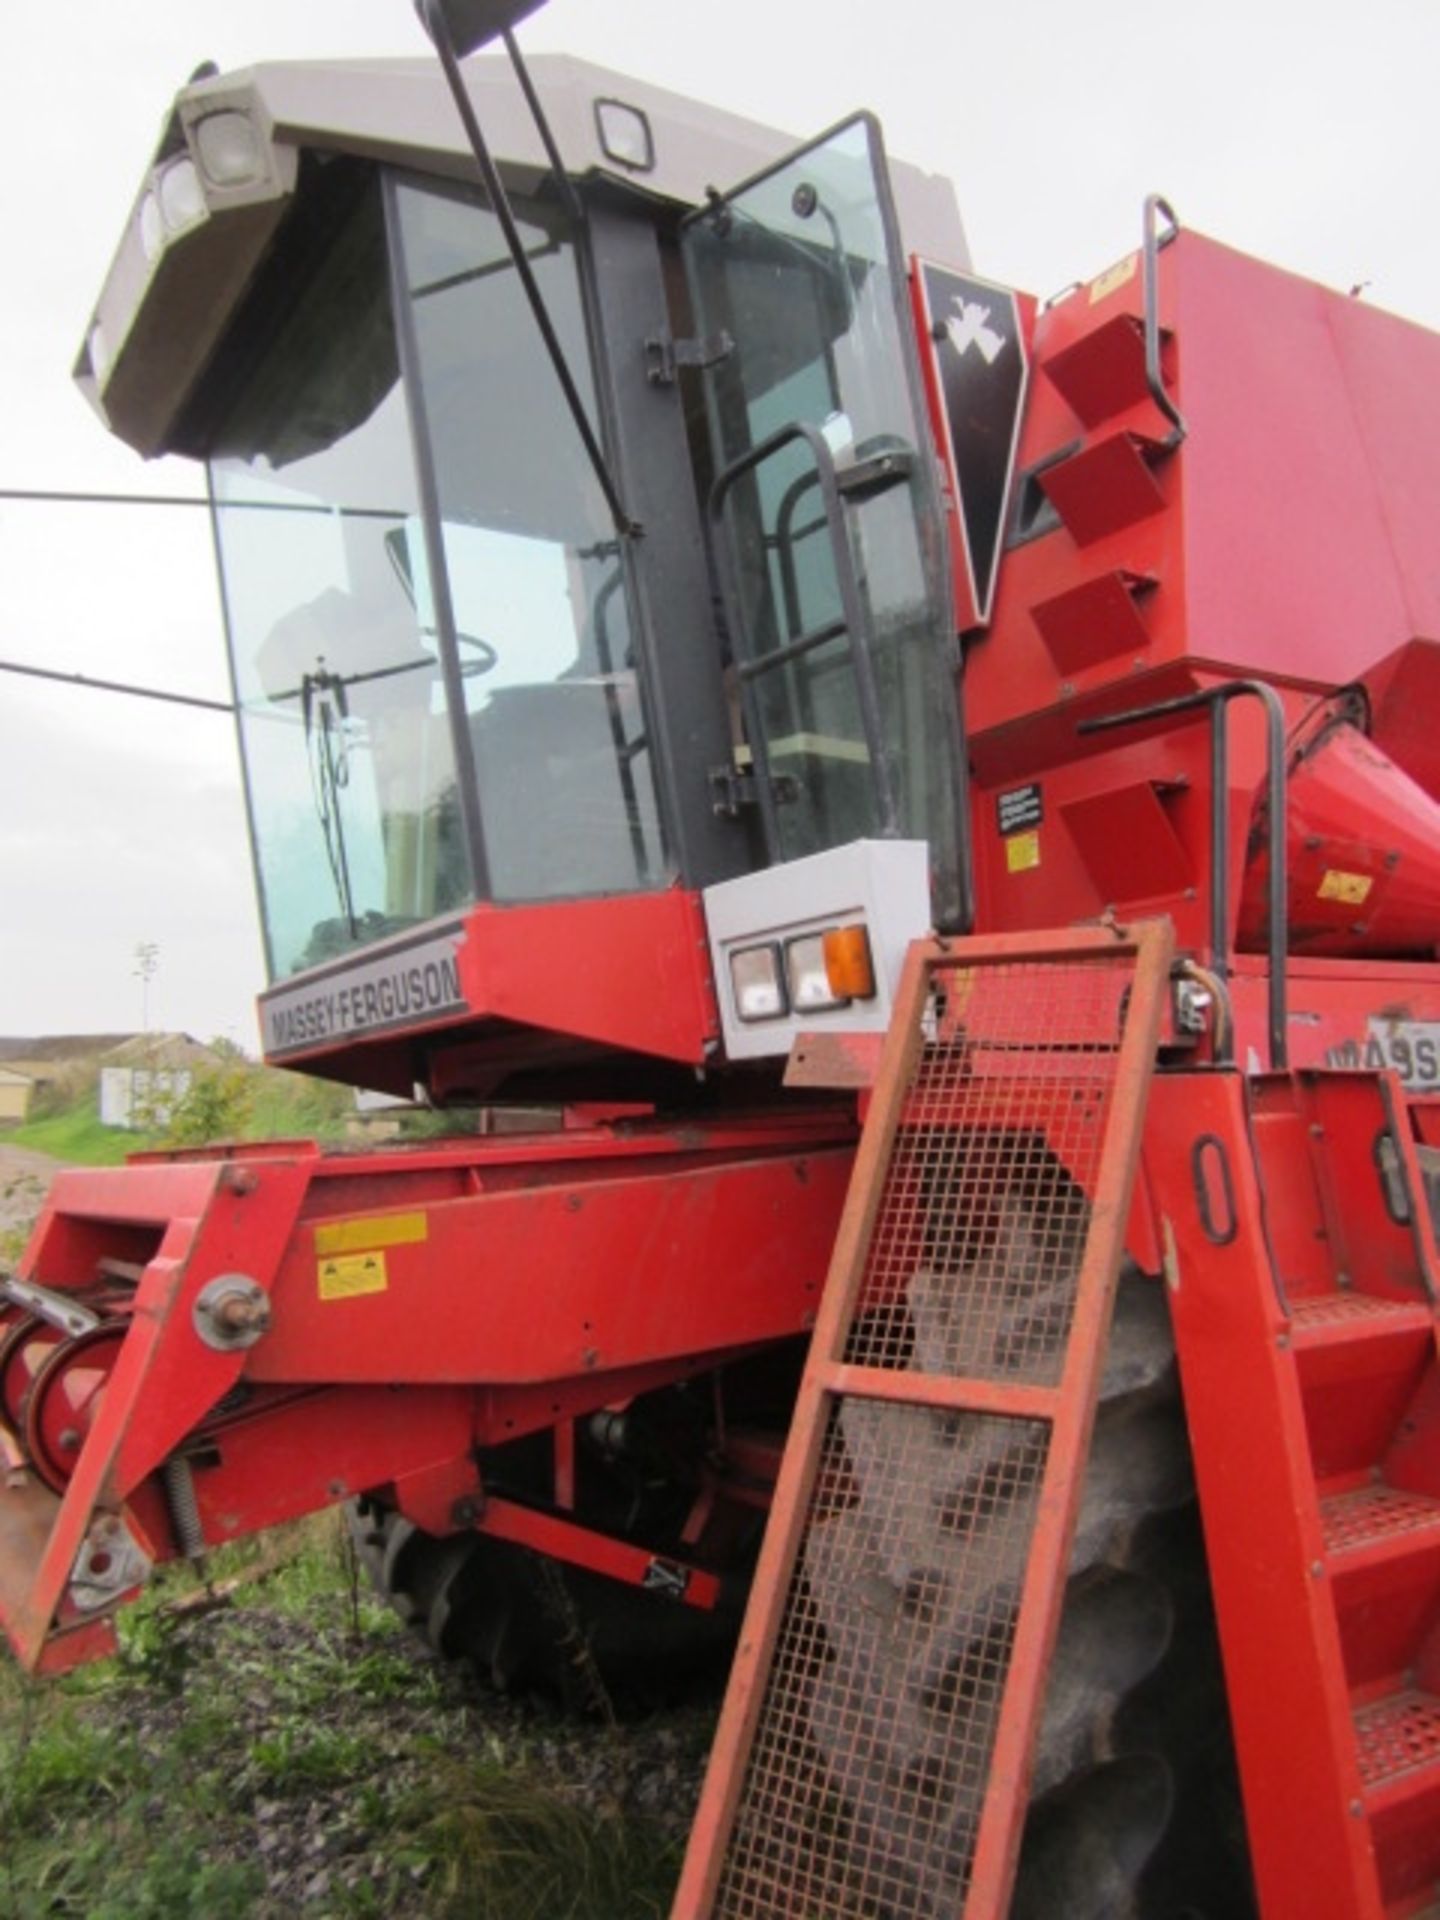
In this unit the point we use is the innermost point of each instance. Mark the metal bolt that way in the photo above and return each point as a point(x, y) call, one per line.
point(466, 1511)
point(238, 1312)
point(241, 1180)
point(232, 1310)
point(1317, 1569)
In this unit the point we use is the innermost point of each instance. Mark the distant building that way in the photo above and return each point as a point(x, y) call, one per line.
point(140, 1099)
point(15, 1091)
point(138, 1077)
point(144, 1078)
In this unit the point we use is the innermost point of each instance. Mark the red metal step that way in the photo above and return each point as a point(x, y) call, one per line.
point(1398, 1742)
point(1107, 486)
point(1095, 621)
point(1341, 1318)
point(1359, 1360)
point(1103, 372)
point(1378, 1522)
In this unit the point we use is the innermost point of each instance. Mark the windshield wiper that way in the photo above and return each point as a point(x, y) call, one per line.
point(325, 710)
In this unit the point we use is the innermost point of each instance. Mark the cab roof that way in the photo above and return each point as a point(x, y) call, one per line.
point(201, 223)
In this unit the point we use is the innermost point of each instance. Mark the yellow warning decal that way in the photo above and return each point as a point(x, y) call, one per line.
point(1113, 277)
point(1022, 851)
point(1352, 888)
point(380, 1230)
point(351, 1274)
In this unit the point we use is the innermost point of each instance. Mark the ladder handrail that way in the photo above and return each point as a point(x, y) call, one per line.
point(1217, 701)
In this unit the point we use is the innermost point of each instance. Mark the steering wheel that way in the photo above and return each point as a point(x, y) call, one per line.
point(482, 656)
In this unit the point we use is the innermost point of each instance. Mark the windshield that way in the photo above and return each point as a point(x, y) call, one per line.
point(552, 699)
point(347, 747)
point(386, 674)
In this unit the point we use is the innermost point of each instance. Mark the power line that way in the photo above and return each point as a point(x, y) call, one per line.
point(117, 686)
point(59, 496)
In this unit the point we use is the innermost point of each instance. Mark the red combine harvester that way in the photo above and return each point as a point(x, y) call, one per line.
point(935, 799)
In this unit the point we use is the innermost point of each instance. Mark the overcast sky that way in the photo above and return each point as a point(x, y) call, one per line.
point(1300, 132)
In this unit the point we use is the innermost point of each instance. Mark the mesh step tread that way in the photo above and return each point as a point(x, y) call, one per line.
point(1331, 1318)
point(1376, 1515)
point(1398, 1744)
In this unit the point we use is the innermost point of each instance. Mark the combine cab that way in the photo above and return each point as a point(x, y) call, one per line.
point(920, 791)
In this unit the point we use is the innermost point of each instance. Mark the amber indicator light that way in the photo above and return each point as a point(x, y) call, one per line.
point(848, 965)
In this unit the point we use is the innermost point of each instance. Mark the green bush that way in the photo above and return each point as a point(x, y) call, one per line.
point(215, 1106)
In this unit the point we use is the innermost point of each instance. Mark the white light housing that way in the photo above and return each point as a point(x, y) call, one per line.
point(152, 231)
point(98, 349)
point(228, 148)
point(757, 983)
point(625, 135)
point(182, 198)
point(810, 988)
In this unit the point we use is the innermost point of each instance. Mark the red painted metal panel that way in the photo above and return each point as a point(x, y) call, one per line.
point(874, 1749)
point(629, 973)
point(1285, 539)
point(564, 1277)
point(413, 1304)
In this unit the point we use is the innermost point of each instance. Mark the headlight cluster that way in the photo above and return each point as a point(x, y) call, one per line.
point(230, 157)
point(810, 973)
point(175, 202)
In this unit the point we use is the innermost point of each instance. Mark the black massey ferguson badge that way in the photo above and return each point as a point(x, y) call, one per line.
point(980, 367)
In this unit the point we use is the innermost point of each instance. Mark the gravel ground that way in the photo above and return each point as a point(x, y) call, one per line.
point(24, 1176)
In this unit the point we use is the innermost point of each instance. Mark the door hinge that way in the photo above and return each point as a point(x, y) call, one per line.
point(733, 789)
point(664, 356)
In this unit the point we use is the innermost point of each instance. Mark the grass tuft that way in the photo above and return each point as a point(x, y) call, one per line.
point(499, 1847)
point(293, 1753)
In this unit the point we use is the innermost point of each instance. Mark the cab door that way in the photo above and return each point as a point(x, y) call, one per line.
point(824, 515)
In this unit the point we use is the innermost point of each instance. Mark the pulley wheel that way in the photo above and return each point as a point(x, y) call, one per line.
point(64, 1399)
point(24, 1349)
